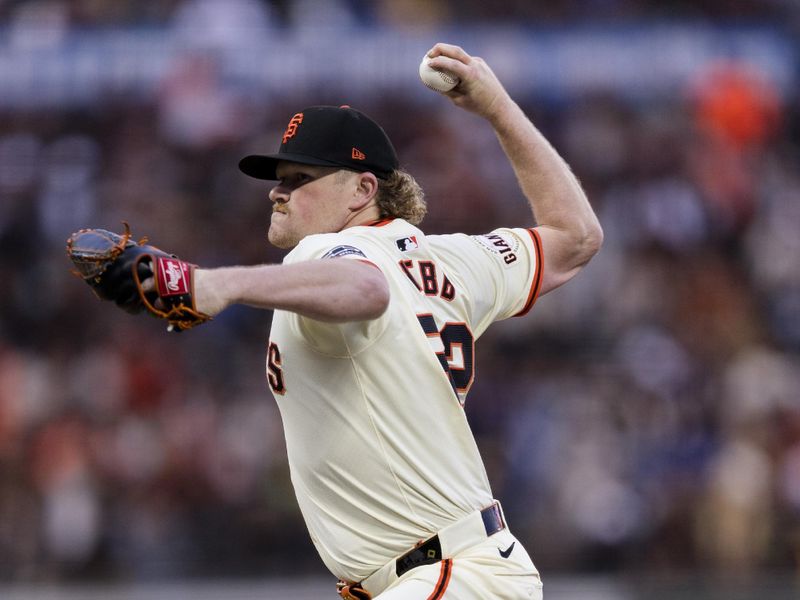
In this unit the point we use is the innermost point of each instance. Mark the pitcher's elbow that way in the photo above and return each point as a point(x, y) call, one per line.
point(589, 244)
point(594, 239)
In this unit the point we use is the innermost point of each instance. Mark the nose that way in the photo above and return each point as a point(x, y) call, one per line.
point(278, 194)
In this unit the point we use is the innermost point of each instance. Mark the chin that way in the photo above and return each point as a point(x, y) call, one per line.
point(282, 241)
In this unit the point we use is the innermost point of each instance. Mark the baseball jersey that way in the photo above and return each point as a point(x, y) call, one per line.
point(380, 452)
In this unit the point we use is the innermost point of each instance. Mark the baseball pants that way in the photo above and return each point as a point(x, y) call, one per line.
point(497, 568)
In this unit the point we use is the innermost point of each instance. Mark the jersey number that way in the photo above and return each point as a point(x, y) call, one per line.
point(454, 346)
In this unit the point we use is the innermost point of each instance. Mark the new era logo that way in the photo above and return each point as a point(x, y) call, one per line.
point(358, 154)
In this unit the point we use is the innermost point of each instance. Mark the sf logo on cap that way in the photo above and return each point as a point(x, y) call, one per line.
point(291, 128)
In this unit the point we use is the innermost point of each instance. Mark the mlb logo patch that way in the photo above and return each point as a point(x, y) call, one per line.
point(407, 244)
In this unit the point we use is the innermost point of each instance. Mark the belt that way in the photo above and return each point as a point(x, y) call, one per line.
point(451, 540)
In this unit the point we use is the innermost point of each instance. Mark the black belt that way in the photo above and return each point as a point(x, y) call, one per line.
point(430, 551)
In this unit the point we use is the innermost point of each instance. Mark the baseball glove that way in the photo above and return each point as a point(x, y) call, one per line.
point(136, 276)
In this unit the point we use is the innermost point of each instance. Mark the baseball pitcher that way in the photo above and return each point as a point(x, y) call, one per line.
point(372, 349)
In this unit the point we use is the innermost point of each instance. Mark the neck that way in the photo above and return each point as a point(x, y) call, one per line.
point(363, 216)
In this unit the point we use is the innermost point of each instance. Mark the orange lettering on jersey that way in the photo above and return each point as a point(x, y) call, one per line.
point(291, 128)
point(428, 272)
point(448, 290)
point(428, 282)
point(274, 370)
point(358, 154)
point(407, 265)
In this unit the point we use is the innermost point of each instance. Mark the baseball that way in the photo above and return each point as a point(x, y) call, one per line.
point(441, 81)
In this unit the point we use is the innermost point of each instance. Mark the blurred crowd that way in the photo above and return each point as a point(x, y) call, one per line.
point(644, 417)
point(399, 13)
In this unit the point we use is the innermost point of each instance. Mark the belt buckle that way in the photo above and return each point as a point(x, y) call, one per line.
point(492, 519)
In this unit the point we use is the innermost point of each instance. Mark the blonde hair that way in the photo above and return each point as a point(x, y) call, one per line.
point(400, 196)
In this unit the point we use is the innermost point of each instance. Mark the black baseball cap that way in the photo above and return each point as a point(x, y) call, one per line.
point(328, 136)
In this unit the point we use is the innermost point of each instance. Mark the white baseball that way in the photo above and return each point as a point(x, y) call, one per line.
point(441, 81)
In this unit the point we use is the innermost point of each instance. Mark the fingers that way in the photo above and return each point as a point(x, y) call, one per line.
point(451, 59)
point(479, 90)
point(449, 50)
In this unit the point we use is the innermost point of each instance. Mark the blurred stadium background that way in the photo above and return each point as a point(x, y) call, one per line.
point(641, 426)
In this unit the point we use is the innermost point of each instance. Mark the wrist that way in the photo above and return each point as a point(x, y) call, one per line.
point(504, 114)
point(209, 291)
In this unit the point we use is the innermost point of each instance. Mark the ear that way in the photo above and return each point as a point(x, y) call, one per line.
point(366, 188)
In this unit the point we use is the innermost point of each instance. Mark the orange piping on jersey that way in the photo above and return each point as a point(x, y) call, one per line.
point(536, 284)
point(379, 222)
point(444, 580)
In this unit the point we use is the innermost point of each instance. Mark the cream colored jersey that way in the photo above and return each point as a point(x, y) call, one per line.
point(380, 451)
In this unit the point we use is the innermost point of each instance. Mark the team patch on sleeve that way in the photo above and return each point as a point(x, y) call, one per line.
point(340, 251)
point(505, 246)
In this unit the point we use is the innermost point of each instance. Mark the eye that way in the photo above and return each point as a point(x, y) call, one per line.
point(295, 180)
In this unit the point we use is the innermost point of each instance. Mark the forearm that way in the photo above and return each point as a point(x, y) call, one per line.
point(554, 193)
point(559, 205)
point(326, 290)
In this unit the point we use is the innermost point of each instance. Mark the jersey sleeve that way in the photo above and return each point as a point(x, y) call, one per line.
point(501, 271)
point(334, 339)
point(329, 246)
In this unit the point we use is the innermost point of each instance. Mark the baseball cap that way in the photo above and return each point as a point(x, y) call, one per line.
point(328, 136)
